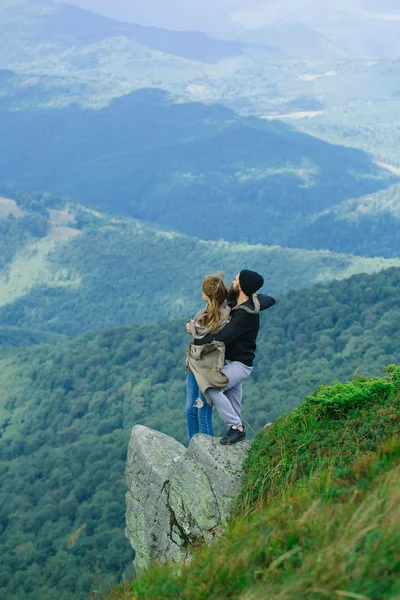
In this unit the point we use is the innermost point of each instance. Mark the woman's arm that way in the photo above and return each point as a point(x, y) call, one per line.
point(194, 326)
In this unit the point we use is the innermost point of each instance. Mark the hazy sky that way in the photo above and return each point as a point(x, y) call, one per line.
point(218, 15)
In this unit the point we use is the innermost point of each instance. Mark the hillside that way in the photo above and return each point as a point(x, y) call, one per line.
point(67, 269)
point(154, 159)
point(67, 410)
point(323, 488)
point(368, 226)
point(16, 336)
point(18, 90)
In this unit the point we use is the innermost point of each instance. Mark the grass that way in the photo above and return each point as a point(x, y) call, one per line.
point(333, 427)
point(31, 267)
point(123, 592)
point(319, 510)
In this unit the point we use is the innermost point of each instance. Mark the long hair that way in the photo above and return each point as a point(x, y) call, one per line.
point(214, 287)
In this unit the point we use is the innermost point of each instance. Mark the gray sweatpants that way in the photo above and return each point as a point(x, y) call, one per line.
point(229, 406)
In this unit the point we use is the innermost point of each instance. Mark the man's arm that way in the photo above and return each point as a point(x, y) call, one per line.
point(234, 329)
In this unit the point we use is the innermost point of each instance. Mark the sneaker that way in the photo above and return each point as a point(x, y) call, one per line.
point(233, 437)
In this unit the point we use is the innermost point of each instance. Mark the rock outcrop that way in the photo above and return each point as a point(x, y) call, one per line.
point(178, 498)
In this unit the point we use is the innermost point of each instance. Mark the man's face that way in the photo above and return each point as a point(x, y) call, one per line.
point(236, 284)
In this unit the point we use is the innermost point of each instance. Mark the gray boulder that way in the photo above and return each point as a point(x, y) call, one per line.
point(178, 498)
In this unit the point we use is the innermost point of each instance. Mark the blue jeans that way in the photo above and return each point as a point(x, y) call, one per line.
point(198, 418)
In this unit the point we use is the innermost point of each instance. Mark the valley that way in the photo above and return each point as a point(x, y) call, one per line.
point(140, 149)
point(66, 418)
point(81, 269)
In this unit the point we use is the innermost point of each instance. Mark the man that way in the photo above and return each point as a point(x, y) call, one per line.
point(239, 337)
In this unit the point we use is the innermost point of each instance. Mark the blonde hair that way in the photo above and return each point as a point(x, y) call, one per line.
point(214, 287)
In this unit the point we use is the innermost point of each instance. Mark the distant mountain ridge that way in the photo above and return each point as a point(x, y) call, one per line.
point(43, 21)
point(359, 28)
point(35, 23)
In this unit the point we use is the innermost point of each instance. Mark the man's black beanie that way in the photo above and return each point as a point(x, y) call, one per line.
point(250, 282)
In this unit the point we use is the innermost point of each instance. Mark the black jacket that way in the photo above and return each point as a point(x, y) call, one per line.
point(240, 334)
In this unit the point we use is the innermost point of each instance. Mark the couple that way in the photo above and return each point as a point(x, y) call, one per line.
point(220, 356)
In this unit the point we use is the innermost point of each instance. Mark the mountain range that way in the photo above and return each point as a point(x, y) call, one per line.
point(41, 22)
point(316, 32)
point(341, 90)
point(354, 29)
point(66, 269)
point(150, 157)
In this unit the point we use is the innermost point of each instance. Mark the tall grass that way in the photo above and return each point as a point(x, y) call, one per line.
point(318, 516)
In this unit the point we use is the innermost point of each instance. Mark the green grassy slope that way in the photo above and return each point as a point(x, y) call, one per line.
point(69, 270)
point(66, 412)
point(323, 487)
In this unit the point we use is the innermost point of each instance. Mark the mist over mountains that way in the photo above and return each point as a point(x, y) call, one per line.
point(357, 28)
point(312, 30)
point(209, 15)
point(43, 22)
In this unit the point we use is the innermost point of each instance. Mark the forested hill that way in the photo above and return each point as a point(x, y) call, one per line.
point(67, 410)
point(149, 157)
point(17, 336)
point(66, 269)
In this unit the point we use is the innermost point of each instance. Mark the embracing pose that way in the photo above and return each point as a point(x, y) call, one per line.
point(204, 363)
point(237, 340)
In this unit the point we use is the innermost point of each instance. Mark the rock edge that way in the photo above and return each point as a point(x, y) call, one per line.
point(178, 498)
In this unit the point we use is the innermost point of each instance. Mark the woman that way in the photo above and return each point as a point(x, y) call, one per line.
point(209, 320)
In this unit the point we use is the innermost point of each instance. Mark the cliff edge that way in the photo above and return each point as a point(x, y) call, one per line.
point(178, 498)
